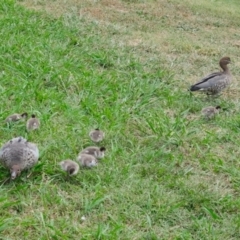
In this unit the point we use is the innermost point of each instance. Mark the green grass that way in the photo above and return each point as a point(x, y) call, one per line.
point(168, 174)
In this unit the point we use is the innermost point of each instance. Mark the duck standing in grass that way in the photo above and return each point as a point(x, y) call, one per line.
point(16, 117)
point(70, 167)
point(96, 135)
point(18, 154)
point(214, 83)
point(33, 123)
point(97, 152)
point(87, 160)
point(210, 112)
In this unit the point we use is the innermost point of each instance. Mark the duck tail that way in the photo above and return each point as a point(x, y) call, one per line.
point(194, 88)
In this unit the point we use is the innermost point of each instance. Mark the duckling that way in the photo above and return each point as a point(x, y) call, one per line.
point(16, 117)
point(96, 135)
point(18, 154)
point(210, 112)
point(87, 160)
point(70, 167)
point(33, 123)
point(98, 152)
point(214, 83)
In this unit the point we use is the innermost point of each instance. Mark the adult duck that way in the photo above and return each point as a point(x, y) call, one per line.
point(18, 154)
point(214, 83)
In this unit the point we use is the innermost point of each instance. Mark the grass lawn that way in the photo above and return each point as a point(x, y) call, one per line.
point(125, 67)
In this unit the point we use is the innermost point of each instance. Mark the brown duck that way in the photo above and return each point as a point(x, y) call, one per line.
point(216, 82)
point(18, 154)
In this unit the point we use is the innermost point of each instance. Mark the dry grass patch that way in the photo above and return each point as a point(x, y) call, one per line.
point(188, 38)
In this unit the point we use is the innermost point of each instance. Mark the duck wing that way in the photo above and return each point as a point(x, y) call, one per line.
point(208, 81)
point(20, 154)
point(9, 157)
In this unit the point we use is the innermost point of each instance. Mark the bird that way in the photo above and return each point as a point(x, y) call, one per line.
point(33, 123)
point(70, 167)
point(87, 160)
point(215, 82)
point(97, 152)
point(16, 117)
point(18, 154)
point(96, 135)
point(210, 112)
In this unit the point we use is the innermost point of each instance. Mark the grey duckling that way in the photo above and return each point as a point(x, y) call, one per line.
point(210, 112)
point(33, 123)
point(96, 135)
point(97, 152)
point(70, 167)
point(16, 117)
point(87, 160)
point(216, 82)
point(18, 154)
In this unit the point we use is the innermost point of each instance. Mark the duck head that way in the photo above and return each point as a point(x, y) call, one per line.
point(70, 170)
point(24, 115)
point(15, 171)
point(224, 62)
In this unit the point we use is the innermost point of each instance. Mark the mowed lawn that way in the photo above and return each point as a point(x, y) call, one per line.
point(125, 67)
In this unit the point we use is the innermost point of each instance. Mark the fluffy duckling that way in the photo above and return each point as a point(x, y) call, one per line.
point(33, 123)
point(18, 154)
point(210, 112)
point(214, 83)
point(96, 135)
point(97, 152)
point(16, 117)
point(87, 160)
point(70, 167)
